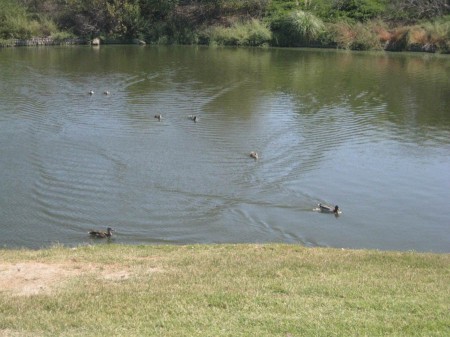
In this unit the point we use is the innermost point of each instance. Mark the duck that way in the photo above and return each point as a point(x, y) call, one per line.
point(193, 117)
point(254, 155)
point(158, 117)
point(91, 92)
point(329, 209)
point(102, 234)
point(106, 92)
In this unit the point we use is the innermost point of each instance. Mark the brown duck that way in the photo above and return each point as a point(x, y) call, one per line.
point(102, 234)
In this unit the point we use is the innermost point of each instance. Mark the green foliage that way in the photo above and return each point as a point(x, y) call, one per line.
point(62, 36)
point(233, 6)
point(157, 33)
point(251, 33)
point(250, 7)
point(13, 20)
point(10, 8)
point(157, 9)
point(281, 8)
point(359, 10)
point(124, 18)
point(84, 17)
point(16, 23)
point(234, 22)
point(297, 28)
point(113, 18)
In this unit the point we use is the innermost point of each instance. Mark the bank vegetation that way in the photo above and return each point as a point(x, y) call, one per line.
point(396, 25)
point(222, 290)
point(415, 25)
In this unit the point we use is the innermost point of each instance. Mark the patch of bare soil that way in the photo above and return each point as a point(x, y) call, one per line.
point(31, 278)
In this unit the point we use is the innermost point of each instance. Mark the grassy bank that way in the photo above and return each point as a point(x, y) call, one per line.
point(222, 290)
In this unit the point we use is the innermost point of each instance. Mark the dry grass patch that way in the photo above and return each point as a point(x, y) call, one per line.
point(38, 278)
point(31, 278)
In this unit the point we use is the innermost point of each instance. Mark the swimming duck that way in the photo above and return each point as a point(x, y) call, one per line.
point(329, 209)
point(193, 117)
point(91, 92)
point(158, 117)
point(106, 92)
point(254, 155)
point(102, 234)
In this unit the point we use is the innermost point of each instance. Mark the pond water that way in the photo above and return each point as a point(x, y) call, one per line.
point(367, 131)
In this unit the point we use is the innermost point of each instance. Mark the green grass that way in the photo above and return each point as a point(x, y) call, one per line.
point(224, 290)
point(250, 33)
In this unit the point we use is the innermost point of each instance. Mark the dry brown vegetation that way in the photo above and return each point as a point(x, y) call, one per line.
point(37, 278)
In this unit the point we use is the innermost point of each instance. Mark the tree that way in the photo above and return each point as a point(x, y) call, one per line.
point(124, 18)
point(417, 9)
point(359, 10)
point(157, 9)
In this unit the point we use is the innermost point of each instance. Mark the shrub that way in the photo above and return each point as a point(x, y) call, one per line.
point(398, 40)
point(124, 19)
point(306, 26)
point(6, 42)
point(13, 20)
point(366, 38)
point(417, 35)
point(298, 28)
point(250, 33)
point(355, 36)
point(257, 33)
point(360, 10)
point(438, 34)
point(381, 29)
point(61, 36)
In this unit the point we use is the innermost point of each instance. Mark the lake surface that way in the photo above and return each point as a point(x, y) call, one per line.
point(367, 131)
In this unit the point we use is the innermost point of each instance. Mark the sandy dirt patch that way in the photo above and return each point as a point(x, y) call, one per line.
point(31, 278)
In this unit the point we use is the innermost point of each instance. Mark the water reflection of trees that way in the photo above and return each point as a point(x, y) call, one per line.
point(409, 92)
point(402, 83)
point(412, 90)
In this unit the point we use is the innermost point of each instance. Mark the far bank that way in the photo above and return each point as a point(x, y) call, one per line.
point(399, 25)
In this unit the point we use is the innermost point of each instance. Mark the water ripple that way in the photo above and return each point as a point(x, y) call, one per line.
point(72, 161)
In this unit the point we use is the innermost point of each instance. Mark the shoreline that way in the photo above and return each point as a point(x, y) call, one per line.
point(48, 41)
point(106, 243)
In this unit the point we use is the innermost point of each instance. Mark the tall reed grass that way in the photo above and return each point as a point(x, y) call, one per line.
point(249, 33)
point(358, 36)
point(438, 33)
point(306, 25)
point(428, 36)
point(298, 28)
